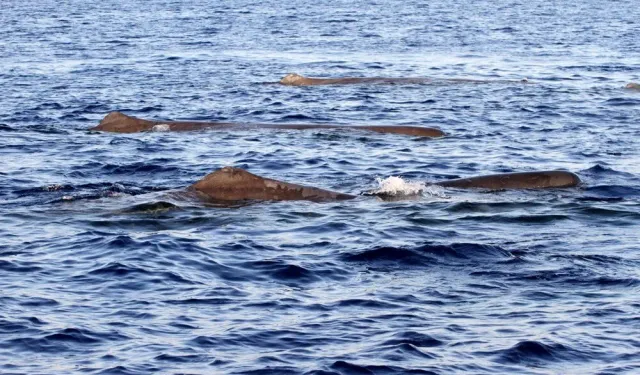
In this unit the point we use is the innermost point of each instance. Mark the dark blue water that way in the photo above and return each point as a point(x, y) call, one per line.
point(103, 272)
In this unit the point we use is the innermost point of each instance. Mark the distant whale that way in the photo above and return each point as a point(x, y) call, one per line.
point(235, 184)
point(633, 86)
point(293, 79)
point(120, 123)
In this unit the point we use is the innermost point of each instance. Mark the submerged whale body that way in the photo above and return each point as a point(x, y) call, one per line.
point(118, 122)
point(235, 184)
point(293, 79)
point(520, 180)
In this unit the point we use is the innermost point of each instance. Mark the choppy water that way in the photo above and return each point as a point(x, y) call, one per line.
point(102, 273)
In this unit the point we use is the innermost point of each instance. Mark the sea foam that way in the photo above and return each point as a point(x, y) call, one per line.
point(161, 128)
point(398, 187)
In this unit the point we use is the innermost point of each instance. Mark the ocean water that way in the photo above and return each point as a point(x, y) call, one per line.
point(103, 271)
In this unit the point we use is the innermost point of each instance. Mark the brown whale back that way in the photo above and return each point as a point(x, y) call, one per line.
point(120, 123)
point(293, 79)
point(235, 184)
point(416, 131)
point(633, 86)
point(522, 180)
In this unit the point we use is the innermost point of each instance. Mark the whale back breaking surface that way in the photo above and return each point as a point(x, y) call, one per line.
point(633, 86)
point(521, 180)
point(235, 184)
point(415, 131)
point(293, 79)
point(117, 122)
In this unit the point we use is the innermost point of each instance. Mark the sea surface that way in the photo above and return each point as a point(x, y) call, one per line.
point(103, 271)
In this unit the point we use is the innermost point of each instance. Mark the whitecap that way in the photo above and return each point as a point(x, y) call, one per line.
point(161, 128)
point(398, 187)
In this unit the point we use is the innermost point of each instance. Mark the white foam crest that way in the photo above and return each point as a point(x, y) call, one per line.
point(435, 191)
point(161, 128)
point(398, 187)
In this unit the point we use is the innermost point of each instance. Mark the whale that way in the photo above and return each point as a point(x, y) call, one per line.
point(294, 79)
point(236, 184)
point(230, 184)
point(517, 180)
point(633, 86)
point(117, 122)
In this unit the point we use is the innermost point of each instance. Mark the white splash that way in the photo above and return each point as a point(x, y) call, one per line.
point(161, 128)
point(398, 187)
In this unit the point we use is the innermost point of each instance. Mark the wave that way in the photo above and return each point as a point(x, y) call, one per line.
point(619, 102)
point(601, 170)
point(74, 335)
point(122, 370)
point(619, 192)
point(58, 193)
point(16, 266)
point(290, 274)
point(151, 208)
point(64, 340)
point(575, 276)
point(152, 167)
point(532, 352)
point(430, 254)
point(343, 367)
point(38, 302)
point(118, 271)
point(414, 338)
point(187, 358)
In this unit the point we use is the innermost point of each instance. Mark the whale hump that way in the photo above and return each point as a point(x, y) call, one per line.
point(114, 116)
point(235, 184)
point(118, 122)
point(293, 79)
point(226, 178)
